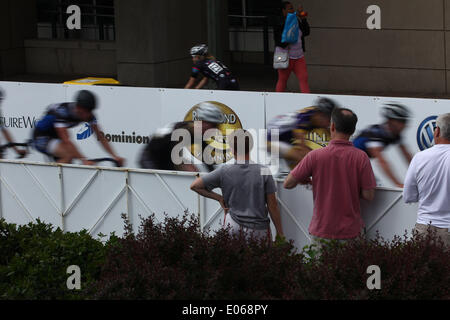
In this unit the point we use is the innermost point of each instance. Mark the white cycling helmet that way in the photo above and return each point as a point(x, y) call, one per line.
point(209, 112)
point(199, 50)
point(396, 111)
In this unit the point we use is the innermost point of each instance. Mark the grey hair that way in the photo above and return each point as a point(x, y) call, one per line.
point(443, 122)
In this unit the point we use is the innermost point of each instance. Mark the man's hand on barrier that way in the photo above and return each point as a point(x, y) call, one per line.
point(223, 205)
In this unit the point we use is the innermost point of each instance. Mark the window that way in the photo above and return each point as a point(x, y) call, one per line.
point(268, 8)
point(97, 19)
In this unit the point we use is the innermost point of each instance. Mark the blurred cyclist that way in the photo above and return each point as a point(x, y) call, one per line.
point(209, 68)
point(51, 135)
point(301, 131)
point(5, 131)
point(374, 139)
point(158, 154)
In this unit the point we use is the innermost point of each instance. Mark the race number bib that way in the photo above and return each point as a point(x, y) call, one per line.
point(215, 67)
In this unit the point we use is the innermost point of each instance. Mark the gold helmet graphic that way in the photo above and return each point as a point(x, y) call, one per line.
point(229, 122)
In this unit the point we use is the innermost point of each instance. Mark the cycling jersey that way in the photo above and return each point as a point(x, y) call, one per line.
point(375, 136)
point(158, 153)
point(289, 123)
point(217, 71)
point(60, 115)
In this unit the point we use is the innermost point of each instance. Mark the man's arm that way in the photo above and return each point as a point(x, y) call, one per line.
point(366, 179)
point(290, 182)
point(301, 173)
point(411, 190)
point(406, 153)
point(378, 154)
point(272, 205)
point(190, 84)
point(105, 144)
point(202, 83)
point(199, 187)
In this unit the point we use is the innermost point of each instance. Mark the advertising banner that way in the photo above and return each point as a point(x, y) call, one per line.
point(128, 116)
point(418, 135)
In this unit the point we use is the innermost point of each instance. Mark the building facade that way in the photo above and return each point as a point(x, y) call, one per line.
point(146, 42)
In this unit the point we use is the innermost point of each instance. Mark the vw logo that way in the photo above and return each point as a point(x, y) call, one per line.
point(425, 138)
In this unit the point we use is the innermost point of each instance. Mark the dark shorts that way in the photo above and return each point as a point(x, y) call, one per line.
point(45, 144)
point(228, 84)
point(156, 155)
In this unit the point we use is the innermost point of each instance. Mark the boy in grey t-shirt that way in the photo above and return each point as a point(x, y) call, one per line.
point(248, 192)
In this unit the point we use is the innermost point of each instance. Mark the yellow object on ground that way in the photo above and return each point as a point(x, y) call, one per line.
point(93, 81)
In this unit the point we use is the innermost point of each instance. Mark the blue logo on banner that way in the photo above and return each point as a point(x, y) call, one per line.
point(85, 132)
point(425, 137)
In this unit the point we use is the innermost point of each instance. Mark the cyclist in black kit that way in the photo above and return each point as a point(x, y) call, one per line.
point(210, 68)
point(51, 137)
point(159, 153)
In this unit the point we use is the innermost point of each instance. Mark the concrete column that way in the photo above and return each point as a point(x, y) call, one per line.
point(153, 39)
point(218, 37)
point(18, 20)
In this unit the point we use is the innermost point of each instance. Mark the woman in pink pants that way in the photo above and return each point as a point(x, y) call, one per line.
point(296, 51)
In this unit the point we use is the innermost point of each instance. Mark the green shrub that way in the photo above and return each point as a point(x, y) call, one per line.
point(173, 260)
point(35, 257)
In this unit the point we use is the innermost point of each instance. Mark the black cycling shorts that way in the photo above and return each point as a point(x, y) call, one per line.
point(228, 84)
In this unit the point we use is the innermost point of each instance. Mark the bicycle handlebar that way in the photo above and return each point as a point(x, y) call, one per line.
point(98, 160)
point(15, 144)
point(27, 145)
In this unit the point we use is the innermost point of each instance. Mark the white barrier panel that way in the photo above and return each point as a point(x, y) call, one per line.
point(75, 197)
point(387, 213)
point(94, 198)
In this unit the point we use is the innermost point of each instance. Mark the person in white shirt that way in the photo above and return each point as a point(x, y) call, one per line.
point(428, 182)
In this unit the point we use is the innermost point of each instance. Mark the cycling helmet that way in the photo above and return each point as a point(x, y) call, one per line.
point(86, 100)
point(326, 105)
point(199, 50)
point(396, 111)
point(209, 112)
